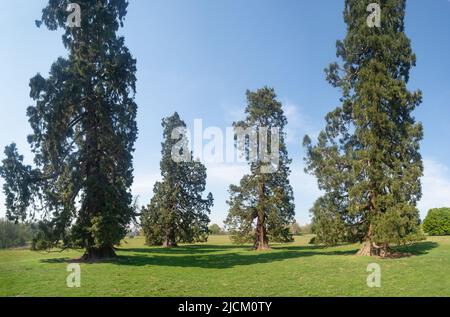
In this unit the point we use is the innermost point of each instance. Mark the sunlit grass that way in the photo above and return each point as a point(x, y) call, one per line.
point(218, 268)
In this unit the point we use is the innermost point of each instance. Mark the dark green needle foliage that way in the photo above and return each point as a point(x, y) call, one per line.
point(367, 159)
point(177, 213)
point(84, 130)
point(262, 205)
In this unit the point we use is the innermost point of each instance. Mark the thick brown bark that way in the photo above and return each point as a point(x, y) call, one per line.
point(169, 241)
point(261, 239)
point(102, 253)
point(371, 249)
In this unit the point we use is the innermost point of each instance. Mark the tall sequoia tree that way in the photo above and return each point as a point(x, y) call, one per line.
point(262, 205)
point(177, 213)
point(84, 130)
point(367, 159)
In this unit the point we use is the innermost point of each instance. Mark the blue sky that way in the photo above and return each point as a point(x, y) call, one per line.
point(198, 57)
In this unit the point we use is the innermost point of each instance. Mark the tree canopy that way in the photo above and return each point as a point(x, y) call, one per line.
point(84, 130)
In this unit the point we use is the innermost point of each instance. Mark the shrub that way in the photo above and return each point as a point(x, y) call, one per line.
point(437, 222)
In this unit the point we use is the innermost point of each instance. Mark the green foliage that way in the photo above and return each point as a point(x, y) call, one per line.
point(327, 225)
point(84, 130)
point(177, 212)
point(14, 235)
point(437, 222)
point(264, 198)
point(367, 159)
point(216, 230)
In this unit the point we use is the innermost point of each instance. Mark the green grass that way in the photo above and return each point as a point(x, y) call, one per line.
point(221, 269)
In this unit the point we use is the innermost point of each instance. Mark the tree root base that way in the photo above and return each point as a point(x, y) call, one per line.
point(265, 248)
point(99, 254)
point(373, 250)
point(169, 245)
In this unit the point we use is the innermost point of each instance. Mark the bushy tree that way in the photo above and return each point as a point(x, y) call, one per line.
point(367, 159)
point(177, 213)
point(437, 222)
point(84, 130)
point(216, 230)
point(262, 205)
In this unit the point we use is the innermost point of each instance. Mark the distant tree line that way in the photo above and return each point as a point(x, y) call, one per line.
point(13, 235)
point(216, 230)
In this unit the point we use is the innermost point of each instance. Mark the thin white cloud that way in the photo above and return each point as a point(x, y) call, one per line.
point(225, 173)
point(143, 186)
point(435, 187)
point(299, 124)
point(306, 192)
point(232, 112)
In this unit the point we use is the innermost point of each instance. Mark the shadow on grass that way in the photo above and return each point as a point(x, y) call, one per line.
point(208, 256)
point(417, 249)
point(221, 260)
point(189, 249)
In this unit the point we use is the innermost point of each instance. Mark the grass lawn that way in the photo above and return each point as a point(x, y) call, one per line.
point(218, 268)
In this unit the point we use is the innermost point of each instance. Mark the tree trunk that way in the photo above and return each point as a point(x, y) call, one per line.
point(370, 248)
point(366, 249)
point(102, 253)
point(169, 241)
point(261, 240)
point(95, 195)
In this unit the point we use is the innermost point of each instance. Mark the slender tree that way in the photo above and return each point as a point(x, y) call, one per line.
point(261, 206)
point(84, 130)
point(177, 213)
point(367, 159)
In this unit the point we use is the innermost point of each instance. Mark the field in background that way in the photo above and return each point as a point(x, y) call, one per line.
point(218, 268)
